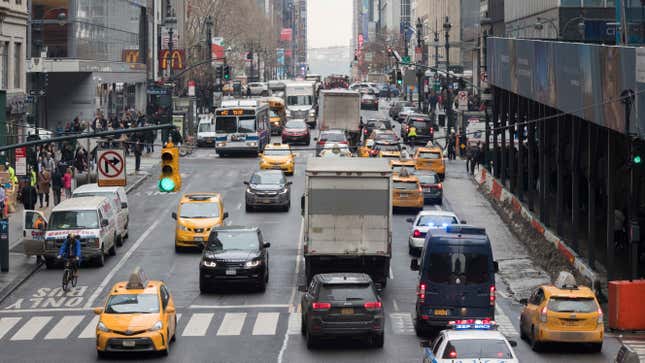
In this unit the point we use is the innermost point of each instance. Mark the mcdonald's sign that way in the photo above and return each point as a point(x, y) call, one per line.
point(130, 56)
point(176, 59)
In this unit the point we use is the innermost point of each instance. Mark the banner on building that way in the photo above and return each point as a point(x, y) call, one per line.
point(21, 161)
point(280, 56)
point(286, 34)
point(217, 49)
point(288, 53)
point(175, 59)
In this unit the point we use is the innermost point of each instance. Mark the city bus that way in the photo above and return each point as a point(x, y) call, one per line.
point(242, 129)
point(277, 114)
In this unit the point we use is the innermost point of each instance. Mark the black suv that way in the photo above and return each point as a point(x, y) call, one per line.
point(234, 254)
point(342, 304)
point(268, 188)
point(424, 125)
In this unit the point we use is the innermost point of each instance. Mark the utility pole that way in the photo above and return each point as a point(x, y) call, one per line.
point(633, 227)
point(446, 28)
point(420, 71)
point(169, 62)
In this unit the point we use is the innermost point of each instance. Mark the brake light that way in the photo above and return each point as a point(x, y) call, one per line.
point(453, 354)
point(421, 292)
point(364, 131)
point(416, 233)
point(439, 186)
point(373, 305)
point(321, 142)
point(600, 315)
point(343, 142)
point(431, 129)
point(318, 306)
point(491, 296)
point(543, 316)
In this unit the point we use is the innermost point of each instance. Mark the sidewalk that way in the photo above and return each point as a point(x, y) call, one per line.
point(22, 267)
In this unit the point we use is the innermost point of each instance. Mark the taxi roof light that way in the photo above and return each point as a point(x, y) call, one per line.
point(137, 279)
point(565, 280)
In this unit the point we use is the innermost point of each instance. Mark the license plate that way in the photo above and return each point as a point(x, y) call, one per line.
point(441, 312)
point(404, 195)
point(276, 167)
point(347, 311)
point(198, 239)
point(267, 201)
point(427, 190)
point(570, 323)
point(231, 272)
point(128, 343)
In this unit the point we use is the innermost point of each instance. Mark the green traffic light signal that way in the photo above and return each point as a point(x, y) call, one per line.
point(166, 185)
point(637, 159)
point(399, 81)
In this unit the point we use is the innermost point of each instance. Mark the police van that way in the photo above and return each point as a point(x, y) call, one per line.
point(456, 277)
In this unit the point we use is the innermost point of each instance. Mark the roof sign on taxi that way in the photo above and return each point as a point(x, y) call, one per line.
point(137, 280)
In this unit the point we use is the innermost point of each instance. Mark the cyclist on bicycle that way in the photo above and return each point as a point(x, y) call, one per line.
point(71, 249)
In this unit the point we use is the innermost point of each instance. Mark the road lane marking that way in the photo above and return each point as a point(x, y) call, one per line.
point(64, 327)
point(232, 324)
point(122, 262)
point(251, 306)
point(506, 327)
point(402, 323)
point(197, 325)
point(7, 323)
point(295, 323)
point(266, 323)
point(44, 310)
point(90, 329)
point(391, 274)
point(31, 328)
point(396, 305)
point(178, 316)
point(292, 299)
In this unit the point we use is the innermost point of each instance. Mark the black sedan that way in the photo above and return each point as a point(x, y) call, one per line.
point(234, 254)
point(268, 188)
point(369, 101)
point(342, 305)
point(432, 187)
point(296, 131)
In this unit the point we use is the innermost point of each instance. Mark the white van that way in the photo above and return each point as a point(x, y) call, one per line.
point(206, 130)
point(91, 218)
point(119, 199)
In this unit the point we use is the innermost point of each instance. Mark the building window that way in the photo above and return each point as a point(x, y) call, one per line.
point(17, 68)
point(4, 65)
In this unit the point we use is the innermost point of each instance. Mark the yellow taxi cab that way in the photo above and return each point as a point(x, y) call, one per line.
point(138, 316)
point(196, 215)
point(430, 158)
point(398, 165)
point(562, 313)
point(406, 191)
point(279, 157)
point(386, 150)
point(365, 149)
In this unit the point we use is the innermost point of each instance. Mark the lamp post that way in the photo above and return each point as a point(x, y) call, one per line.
point(420, 72)
point(448, 106)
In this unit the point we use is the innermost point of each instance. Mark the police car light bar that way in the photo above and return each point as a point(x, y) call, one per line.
point(472, 324)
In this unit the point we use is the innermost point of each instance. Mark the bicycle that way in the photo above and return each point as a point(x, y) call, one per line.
point(68, 275)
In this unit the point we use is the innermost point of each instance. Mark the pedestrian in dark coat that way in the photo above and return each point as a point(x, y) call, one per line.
point(57, 184)
point(29, 196)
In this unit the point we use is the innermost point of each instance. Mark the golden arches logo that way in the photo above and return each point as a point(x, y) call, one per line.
point(130, 56)
point(175, 58)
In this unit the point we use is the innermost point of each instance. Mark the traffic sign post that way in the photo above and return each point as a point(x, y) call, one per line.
point(462, 98)
point(111, 168)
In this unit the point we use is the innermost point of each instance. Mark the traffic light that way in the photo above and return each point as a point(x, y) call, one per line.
point(399, 77)
point(219, 72)
point(170, 179)
point(636, 158)
point(227, 72)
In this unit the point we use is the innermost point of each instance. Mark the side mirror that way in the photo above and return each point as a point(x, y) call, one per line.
point(174, 215)
point(266, 245)
point(124, 205)
point(225, 215)
point(409, 220)
point(289, 183)
point(496, 266)
point(245, 182)
point(105, 223)
point(524, 301)
point(513, 343)
point(315, 139)
point(98, 311)
point(425, 344)
point(170, 310)
point(414, 265)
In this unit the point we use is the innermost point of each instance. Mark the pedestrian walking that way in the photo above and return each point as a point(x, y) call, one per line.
point(3, 198)
point(138, 150)
point(67, 183)
point(29, 196)
point(33, 179)
point(44, 183)
point(57, 184)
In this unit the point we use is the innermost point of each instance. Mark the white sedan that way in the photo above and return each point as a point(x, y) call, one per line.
point(424, 222)
point(472, 343)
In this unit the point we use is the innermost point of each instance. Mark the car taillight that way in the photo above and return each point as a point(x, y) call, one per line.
point(364, 131)
point(319, 306)
point(373, 305)
point(491, 295)
point(543, 316)
point(374, 152)
point(439, 186)
point(452, 354)
point(321, 142)
point(431, 130)
point(421, 292)
point(600, 314)
point(343, 142)
point(416, 233)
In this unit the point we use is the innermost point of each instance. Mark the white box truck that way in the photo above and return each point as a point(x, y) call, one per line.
point(347, 212)
point(341, 110)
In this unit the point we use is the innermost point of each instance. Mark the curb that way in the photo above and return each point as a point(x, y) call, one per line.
point(498, 193)
point(130, 188)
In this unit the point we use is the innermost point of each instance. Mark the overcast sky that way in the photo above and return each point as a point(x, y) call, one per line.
point(329, 23)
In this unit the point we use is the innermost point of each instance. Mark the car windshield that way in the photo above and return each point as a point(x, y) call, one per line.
point(421, 124)
point(572, 305)
point(346, 292)
point(74, 220)
point(233, 240)
point(427, 179)
point(267, 178)
point(273, 114)
point(332, 136)
point(436, 221)
point(205, 127)
point(477, 349)
point(226, 124)
point(405, 185)
point(384, 147)
point(429, 155)
point(386, 136)
point(296, 125)
point(199, 210)
point(299, 100)
point(458, 268)
point(132, 304)
point(277, 152)
point(399, 169)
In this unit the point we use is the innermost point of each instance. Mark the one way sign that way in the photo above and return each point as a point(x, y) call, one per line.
point(111, 168)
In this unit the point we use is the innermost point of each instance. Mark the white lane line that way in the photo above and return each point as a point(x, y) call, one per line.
point(285, 340)
point(391, 274)
point(232, 324)
point(266, 324)
point(122, 262)
point(7, 323)
point(178, 317)
point(295, 323)
point(197, 325)
point(396, 305)
point(51, 310)
point(402, 323)
point(239, 206)
point(90, 329)
point(31, 328)
point(250, 306)
point(506, 327)
point(64, 327)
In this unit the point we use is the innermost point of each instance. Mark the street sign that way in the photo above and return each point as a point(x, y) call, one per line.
point(111, 168)
point(462, 97)
point(36, 92)
point(405, 59)
point(21, 161)
point(29, 99)
point(191, 88)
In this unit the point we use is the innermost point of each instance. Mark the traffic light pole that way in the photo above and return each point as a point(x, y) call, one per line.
point(420, 72)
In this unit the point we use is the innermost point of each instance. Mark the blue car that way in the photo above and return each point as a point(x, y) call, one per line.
point(394, 92)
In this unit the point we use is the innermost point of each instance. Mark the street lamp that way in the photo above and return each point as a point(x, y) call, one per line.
point(446, 27)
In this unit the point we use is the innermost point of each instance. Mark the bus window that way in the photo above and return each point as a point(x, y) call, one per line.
point(226, 125)
point(246, 124)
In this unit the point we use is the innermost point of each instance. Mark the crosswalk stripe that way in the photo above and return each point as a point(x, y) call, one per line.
point(504, 323)
point(232, 324)
point(90, 329)
point(402, 323)
point(64, 327)
point(266, 324)
point(178, 315)
point(197, 325)
point(7, 323)
point(31, 328)
point(295, 323)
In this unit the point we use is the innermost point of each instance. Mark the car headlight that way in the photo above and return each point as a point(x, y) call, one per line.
point(221, 144)
point(252, 143)
point(207, 263)
point(183, 228)
point(284, 191)
point(100, 326)
point(91, 242)
point(312, 112)
point(249, 190)
point(254, 263)
point(156, 326)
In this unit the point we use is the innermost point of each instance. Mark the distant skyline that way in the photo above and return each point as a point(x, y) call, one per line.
point(329, 24)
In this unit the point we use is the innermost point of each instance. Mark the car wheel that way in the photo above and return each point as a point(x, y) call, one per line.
point(308, 141)
point(166, 351)
point(112, 250)
point(303, 325)
point(50, 263)
point(203, 286)
point(535, 345)
point(410, 250)
point(596, 347)
point(248, 208)
point(262, 285)
point(419, 329)
point(311, 341)
point(174, 335)
point(287, 207)
point(119, 241)
point(378, 340)
point(100, 260)
point(101, 354)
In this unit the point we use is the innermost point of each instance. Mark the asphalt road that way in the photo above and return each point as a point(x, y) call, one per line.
point(40, 323)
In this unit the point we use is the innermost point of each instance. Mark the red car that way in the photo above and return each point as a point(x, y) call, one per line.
point(296, 131)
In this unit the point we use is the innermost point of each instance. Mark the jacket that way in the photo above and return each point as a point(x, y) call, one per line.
point(44, 181)
point(76, 252)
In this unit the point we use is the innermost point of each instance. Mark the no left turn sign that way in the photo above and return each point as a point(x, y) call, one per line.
point(111, 168)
